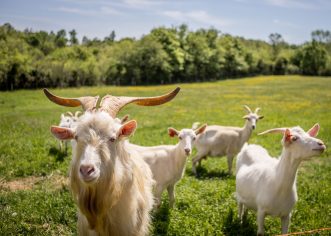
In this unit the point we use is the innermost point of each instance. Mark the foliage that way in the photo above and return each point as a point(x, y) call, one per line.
point(166, 55)
point(204, 205)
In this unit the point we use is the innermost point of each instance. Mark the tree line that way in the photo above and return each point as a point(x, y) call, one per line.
point(166, 55)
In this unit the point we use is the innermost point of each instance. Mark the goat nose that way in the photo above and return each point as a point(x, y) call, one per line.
point(187, 150)
point(86, 170)
point(253, 126)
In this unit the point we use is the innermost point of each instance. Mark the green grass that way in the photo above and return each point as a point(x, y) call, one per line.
point(204, 206)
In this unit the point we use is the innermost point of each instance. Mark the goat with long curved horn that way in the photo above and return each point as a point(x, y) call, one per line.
point(88, 103)
point(112, 104)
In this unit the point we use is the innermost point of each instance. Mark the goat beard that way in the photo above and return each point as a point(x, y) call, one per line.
point(95, 201)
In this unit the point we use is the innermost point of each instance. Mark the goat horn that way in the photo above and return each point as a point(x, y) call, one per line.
point(77, 113)
point(88, 103)
point(69, 113)
point(276, 130)
point(112, 104)
point(257, 110)
point(248, 109)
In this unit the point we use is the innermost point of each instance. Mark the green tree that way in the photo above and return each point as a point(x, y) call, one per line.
point(73, 37)
point(61, 38)
point(313, 59)
point(111, 37)
point(276, 40)
point(322, 36)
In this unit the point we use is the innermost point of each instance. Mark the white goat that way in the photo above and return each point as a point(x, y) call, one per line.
point(68, 120)
point(224, 140)
point(168, 162)
point(268, 185)
point(112, 187)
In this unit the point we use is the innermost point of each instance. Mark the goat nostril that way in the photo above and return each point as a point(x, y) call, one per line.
point(187, 150)
point(86, 170)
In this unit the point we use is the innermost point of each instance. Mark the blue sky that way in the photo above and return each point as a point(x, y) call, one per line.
point(256, 19)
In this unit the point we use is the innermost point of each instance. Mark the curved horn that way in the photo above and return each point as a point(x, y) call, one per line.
point(275, 130)
point(77, 113)
point(88, 103)
point(248, 109)
point(257, 110)
point(112, 104)
point(69, 113)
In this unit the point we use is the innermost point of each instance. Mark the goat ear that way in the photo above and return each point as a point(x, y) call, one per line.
point(127, 129)
point(62, 116)
point(287, 135)
point(261, 117)
point(172, 132)
point(201, 129)
point(245, 117)
point(313, 132)
point(62, 133)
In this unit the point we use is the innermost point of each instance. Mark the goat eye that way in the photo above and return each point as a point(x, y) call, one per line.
point(76, 137)
point(180, 137)
point(294, 138)
point(194, 138)
point(112, 139)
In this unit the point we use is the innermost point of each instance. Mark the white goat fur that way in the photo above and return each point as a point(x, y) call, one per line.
point(117, 197)
point(168, 162)
point(224, 140)
point(268, 185)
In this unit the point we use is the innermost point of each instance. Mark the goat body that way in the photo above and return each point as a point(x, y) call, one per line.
point(268, 185)
point(224, 140)
point(111, 187)
point(167, 162)
point(118, 203)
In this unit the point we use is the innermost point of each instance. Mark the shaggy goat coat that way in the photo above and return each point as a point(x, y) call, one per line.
point(120, 201)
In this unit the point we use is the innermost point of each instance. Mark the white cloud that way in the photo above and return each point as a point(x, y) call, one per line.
point(285, 24)
point(105, 10)
point(141, 3)
point(197, 16)
point(309, 5)
point(109, 10)
point(75, 11)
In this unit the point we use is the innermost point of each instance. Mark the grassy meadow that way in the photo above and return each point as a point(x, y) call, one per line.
point(34, 194)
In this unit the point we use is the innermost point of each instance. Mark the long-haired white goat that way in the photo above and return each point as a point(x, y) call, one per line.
point(224, 140)
point(168, 162)
point(268, 185)
point(111, 187)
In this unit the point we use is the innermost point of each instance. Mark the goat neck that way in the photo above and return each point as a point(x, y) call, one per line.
point(179, 156)
point(246, 131)
point(286, 171)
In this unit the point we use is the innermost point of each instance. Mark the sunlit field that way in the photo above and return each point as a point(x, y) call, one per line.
point(35, 198)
